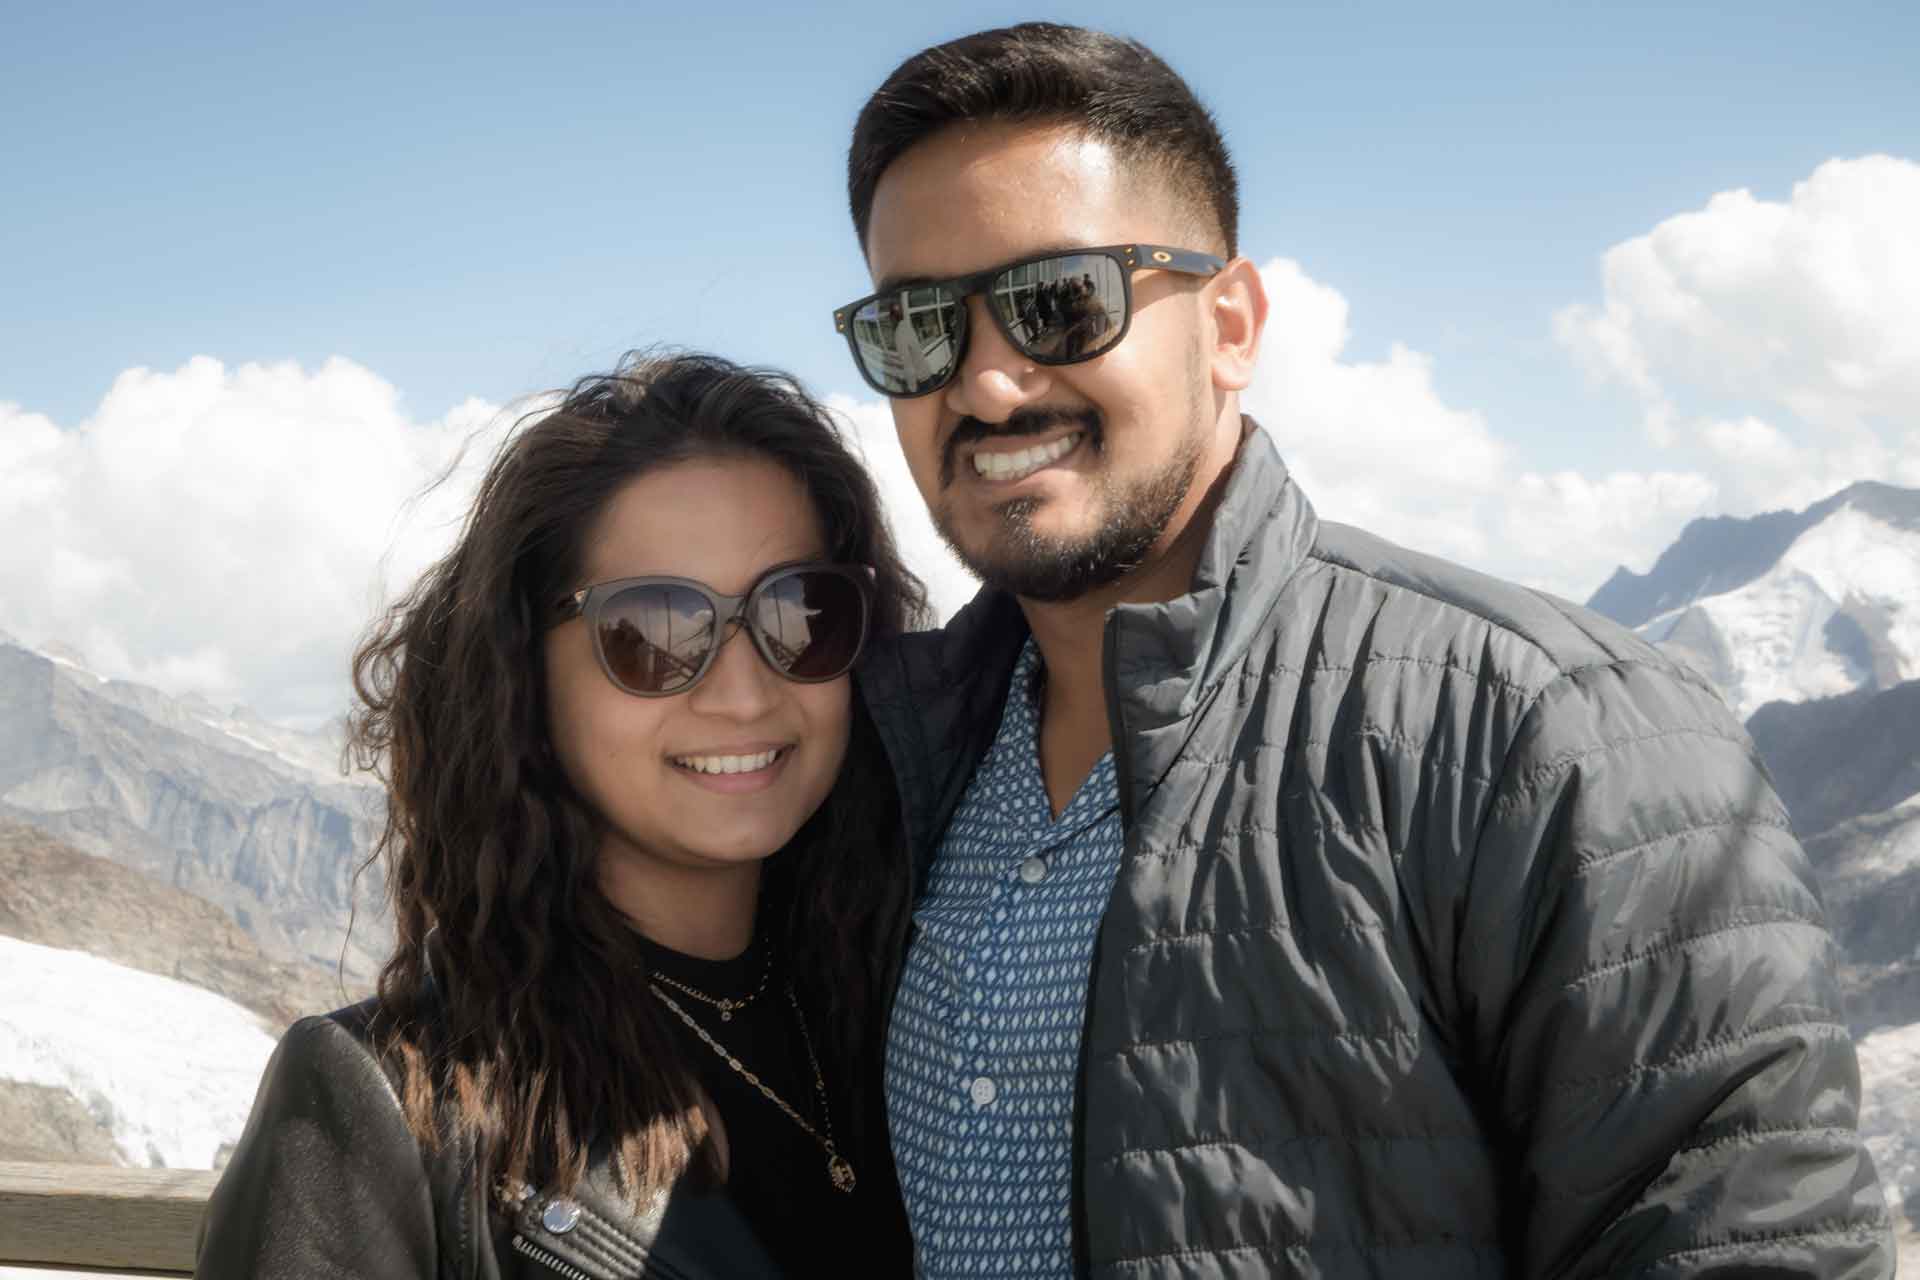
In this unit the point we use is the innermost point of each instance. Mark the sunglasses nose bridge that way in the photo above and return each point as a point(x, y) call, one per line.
point(750, 687)
point(724, 630)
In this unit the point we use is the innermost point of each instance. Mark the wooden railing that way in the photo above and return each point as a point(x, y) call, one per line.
point(100, 1221)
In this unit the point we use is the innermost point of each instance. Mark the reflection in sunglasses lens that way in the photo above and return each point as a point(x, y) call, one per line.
point(907, 339)
point(810, 623)
point(1063, 309)
point(655, 637)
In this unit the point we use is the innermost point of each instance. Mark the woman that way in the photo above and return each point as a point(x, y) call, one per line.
point(644, 869)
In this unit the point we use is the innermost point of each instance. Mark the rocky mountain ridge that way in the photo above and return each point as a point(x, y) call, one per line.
point(55, 895)
point(246, 816)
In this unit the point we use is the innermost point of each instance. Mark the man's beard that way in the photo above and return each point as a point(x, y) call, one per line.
point(1131, 519)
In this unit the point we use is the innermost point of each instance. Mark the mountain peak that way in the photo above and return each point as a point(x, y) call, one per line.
point(1788, 606)
point(1886, 502)
point(1717, 554)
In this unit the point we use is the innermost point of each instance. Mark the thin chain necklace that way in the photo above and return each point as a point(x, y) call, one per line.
point(726, 1007)
point(839, 1172)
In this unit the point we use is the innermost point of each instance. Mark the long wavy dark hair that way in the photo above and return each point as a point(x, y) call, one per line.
point(523, 1028)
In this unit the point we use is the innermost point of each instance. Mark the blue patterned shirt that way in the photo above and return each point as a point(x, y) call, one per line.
point(984, 1047)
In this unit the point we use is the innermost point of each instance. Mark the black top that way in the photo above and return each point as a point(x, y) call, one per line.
point(777, 1171)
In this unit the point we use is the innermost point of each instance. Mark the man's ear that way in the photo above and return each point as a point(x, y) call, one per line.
point(1236, 302)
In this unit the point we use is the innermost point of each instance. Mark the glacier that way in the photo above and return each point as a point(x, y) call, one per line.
point(169, 1068)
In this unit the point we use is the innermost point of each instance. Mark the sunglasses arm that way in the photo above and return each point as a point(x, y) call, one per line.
point(569, 607)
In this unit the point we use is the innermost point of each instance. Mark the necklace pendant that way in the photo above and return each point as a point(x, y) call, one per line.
point(726, 1010)
point(840, 1173)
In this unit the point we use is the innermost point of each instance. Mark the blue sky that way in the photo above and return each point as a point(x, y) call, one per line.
point(489, 200)
point(486, 201)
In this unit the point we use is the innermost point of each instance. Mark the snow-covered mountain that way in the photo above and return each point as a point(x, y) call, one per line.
point(1718, 554)
point(1835, 610)
point(167, 1069)
point(252, 817)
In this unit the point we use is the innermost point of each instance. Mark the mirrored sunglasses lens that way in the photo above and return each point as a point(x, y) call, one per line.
point(811, 623)
point(907, 339)
point(1062, 309)
point(654, 638)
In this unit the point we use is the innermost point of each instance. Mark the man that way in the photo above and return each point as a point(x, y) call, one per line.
point(906, 344)
point(1288, 902)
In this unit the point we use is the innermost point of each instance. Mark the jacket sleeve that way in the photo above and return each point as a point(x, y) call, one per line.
point(1652, 994)
point(326, 1180)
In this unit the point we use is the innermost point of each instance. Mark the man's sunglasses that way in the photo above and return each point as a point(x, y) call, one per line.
point(657, 636)
point(1058, 308)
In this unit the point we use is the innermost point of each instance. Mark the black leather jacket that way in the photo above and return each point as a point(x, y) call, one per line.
point(327, 1180)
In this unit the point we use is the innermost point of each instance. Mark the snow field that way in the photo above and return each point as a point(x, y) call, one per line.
point(168, 1067)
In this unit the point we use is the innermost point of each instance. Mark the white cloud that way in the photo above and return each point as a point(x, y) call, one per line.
point(223, 530)
point(1373, 444)
point(1780, 339)
point(1566, 531)
point(231, 531)
point(869, 424)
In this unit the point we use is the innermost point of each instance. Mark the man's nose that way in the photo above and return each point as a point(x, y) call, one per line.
point(995, 378)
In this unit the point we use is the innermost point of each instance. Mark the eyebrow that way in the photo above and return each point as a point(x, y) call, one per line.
point(894, 284)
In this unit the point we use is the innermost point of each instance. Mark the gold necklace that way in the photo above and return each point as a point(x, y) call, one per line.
point(726, 1007)
point(839, 1172)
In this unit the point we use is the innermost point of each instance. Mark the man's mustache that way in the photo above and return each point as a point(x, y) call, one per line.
point(1025, 422)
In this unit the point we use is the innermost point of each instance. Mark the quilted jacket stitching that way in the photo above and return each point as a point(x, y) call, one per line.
point(1503, 626)
point(1172, 849)
point(1317, 1244)
point(1482, 679)
point(1543, 773)
point(1818, 1028)
point(1768, 1133)
point(1705, 1150)
point(1757, 918)
point(1586, 860)
point(1256, 673)
point(1281, 1141)
point(1272, 928)
point(1869, 1230)
point(1425, 748)
point(1358, 1035)
point(1682, 674)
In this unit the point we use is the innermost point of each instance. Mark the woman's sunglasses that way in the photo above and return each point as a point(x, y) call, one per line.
point(1059, 308)
point(657, 636)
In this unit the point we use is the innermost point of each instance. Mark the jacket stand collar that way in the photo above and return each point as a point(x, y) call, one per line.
point(949, 687)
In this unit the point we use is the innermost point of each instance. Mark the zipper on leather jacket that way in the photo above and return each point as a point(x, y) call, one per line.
point(552, 1262)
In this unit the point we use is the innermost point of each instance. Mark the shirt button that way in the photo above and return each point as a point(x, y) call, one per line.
point(1033, 870)
point(982, 1091)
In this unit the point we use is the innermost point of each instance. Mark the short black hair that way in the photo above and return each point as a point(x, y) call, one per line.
point(1111, 89)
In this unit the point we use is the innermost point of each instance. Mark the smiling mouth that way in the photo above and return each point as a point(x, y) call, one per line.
point(1018, 464)
point(730, 764)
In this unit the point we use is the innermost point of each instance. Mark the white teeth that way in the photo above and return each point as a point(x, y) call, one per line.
point(729, 764)
point(1022, 462)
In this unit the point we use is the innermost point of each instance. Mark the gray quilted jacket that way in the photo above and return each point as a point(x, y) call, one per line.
point(1458, 933)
